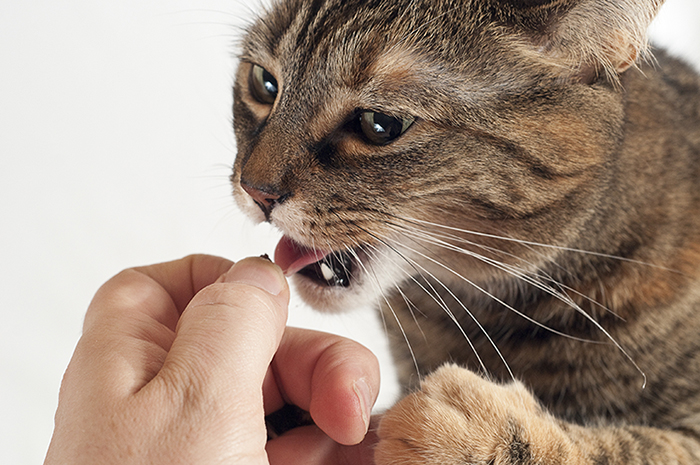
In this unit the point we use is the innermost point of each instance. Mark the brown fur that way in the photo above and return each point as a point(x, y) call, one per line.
point(538, 222)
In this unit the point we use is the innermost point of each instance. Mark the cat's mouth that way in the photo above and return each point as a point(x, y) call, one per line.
point(327, 268)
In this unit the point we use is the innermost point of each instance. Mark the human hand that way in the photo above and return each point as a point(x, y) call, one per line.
point(177, 364)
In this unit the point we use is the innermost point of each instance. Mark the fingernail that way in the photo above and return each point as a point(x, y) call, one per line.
point(364, 395)
point(257, 272)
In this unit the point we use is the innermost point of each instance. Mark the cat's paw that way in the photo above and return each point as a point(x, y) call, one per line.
point(459, 418)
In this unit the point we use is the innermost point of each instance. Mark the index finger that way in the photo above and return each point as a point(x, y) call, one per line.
point(184, 278)
point(159, 292)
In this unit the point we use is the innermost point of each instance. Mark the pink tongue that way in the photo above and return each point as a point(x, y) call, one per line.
point(292, 257)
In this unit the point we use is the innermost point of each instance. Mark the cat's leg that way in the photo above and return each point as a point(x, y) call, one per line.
point(459, 418)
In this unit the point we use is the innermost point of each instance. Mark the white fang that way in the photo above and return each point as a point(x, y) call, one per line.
point(328, 274)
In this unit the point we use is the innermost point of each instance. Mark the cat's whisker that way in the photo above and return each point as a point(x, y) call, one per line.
point(539, 244)
point(461, 240)
point(453, 317)
point(424, 236)
point(437, 239)
point(437, 298)
point(514, 270)
point(443, 305)
point(523, 277)
point(412, 308)
point(432, 293)
point(510, 269)
point(454, 238)
point(364, 268)
point(372, 250)
point(391, 310)
point(576, 307)
point(351, 251)
point(493, 250)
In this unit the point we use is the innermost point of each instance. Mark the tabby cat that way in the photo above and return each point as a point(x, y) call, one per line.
point(516, 186)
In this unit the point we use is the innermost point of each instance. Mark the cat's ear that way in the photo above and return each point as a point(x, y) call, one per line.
point(586, 36)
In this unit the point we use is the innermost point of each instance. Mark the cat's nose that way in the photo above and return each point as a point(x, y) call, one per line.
point(266, 200)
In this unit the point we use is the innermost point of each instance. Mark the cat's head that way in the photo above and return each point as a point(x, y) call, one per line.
point(391, 139)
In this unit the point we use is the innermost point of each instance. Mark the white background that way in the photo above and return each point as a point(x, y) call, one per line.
point(115, 148)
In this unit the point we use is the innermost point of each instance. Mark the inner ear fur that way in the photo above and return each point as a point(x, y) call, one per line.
point(584, 37)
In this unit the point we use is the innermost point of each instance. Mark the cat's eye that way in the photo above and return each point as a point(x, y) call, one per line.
point(263, 85)
point(380, 129)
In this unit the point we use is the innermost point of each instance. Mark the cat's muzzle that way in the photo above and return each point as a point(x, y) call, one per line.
point(326, 268)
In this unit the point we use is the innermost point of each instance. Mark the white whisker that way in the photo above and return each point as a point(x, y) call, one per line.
point(517, 273)
point(434, 294)
point(539, 244)
point(576, 307)
point(391, 309)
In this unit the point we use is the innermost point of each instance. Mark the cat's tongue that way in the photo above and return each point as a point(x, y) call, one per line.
point(292, 257)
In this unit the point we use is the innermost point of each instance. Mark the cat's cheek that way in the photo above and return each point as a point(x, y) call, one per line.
point(457, 417)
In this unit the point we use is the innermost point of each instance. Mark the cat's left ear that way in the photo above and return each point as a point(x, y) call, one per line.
point(582, 36)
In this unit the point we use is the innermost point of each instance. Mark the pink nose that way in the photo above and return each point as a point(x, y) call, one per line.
point(265, 200)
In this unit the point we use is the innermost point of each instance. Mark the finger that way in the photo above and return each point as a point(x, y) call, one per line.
point(130, 323)
point(227, 335)
point(310, 446)
point(159, 291)
point(184, 278)
point(334, 378)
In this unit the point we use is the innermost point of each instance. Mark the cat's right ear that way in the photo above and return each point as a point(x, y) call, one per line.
point(583, 37)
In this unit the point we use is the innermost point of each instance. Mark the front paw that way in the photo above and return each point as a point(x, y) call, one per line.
point(459, 418)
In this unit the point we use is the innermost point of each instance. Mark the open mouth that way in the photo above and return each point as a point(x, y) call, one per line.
point(334, 269)
point(324, 267)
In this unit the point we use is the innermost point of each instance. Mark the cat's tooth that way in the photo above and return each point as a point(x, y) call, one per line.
point(328, 274)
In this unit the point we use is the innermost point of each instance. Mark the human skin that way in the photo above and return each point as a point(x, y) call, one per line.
point(179, 363)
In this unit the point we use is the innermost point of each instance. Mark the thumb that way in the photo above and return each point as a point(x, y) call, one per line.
point(227, 336)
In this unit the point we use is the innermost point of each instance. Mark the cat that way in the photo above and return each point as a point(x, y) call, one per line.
point(515, 185)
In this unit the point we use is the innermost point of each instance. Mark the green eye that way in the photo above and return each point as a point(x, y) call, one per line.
point(381, 129)
point(263, 85)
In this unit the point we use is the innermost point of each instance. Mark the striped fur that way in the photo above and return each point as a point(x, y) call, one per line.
point(538, 223)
